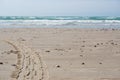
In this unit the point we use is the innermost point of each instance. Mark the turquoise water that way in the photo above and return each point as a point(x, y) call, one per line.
point(58, 18)
point(59, 22)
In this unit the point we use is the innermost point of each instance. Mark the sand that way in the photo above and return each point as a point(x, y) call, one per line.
point(59, 54)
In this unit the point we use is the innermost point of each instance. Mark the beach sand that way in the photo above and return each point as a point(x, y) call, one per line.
point(59, 54)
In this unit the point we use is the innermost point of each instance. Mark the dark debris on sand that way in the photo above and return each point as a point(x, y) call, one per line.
point(1, 63)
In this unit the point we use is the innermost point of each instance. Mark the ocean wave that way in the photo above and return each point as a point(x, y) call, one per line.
point(58, 18)
point(59, 23)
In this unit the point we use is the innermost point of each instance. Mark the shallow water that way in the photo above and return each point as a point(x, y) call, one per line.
point(59, 22)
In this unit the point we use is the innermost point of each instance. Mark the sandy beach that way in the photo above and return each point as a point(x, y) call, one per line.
point(59, 54)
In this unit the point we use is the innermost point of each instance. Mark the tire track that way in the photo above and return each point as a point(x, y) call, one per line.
point(29, 64)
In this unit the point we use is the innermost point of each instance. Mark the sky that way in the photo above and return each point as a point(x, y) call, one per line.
point(59, 7)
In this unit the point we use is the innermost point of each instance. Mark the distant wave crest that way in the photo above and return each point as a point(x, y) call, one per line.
point(58, 18)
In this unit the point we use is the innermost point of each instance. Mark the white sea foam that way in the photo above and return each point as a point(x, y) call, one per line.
point(59, 23)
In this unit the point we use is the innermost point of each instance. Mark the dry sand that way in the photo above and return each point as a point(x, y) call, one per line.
point(59, 54)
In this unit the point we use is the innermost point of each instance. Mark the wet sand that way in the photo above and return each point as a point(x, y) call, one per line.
point(59, 54)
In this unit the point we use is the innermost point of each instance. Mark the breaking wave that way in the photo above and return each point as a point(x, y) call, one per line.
point(59, 18)
point(59, 21)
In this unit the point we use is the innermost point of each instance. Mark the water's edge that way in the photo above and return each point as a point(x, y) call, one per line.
point(59, 22)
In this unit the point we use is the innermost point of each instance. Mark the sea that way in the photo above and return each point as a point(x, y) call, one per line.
point(59, 22)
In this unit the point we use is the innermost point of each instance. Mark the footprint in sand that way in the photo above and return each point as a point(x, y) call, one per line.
point(26, 65)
